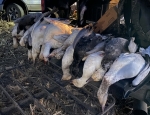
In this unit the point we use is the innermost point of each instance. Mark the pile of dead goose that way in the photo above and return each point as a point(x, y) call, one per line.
point(105, 58)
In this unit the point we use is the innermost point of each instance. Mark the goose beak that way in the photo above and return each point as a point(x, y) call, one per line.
point(50, 55)
point(102, 93)
point(103, 108)
point(90, 79)
point(71, 82)
point(45, 62)
point(103, 99)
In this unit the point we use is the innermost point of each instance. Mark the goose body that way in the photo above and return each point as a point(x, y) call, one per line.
point(66, 43)
point(32, 32)
point(68, 58)
point(14, 31)
point(84, 44)
point(126, 66)
point(37, 39)
point(92, 63)
point(115, 47)
point(141, 75)
point(53, 29)
point(43, 34)
point(27, 20)
point(53, 20)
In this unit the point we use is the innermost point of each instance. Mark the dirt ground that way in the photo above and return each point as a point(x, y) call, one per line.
point(10, 58)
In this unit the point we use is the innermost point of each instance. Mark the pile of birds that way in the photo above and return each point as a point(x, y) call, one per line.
point(105, 58)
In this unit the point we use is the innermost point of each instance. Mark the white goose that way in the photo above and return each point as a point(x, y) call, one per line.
point(92, 63)
point(55, 28)
point(66, 43)
point(126, 66)
point(68, 56)
point(37, 39)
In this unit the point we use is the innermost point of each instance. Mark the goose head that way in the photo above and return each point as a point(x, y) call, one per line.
point(102, 93)
point(98, 75)
point(59, 55)
point(53, 53)
point(132, 47)
point(79, 82)
point(102, 99)
point(15, 43)
point(46, 51)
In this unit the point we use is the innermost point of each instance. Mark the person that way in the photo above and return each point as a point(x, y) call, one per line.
point(62, 5)
point(138, 12)
point(74, 15)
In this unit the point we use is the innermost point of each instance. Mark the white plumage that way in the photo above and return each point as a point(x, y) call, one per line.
point(92, 63)
point(66, 43)
point(56, 28)
point(126, 66)
point(66, 62)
